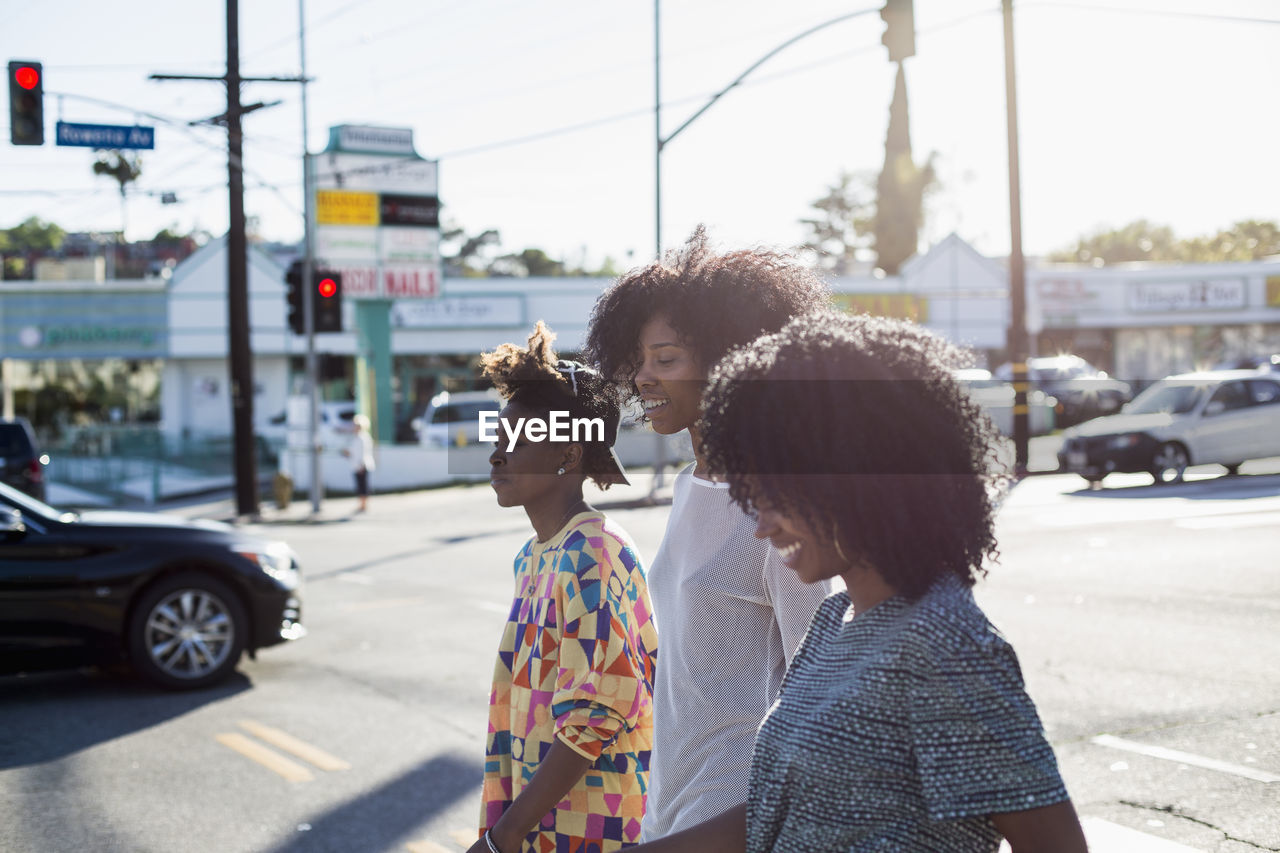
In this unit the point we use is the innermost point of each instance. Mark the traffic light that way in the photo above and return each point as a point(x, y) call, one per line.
point(26, 103)
point(294, 297)
point(899, 29)
point(328, 300)
point(326, 295)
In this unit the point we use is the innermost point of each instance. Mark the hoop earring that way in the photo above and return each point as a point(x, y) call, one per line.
point(839, 550)
point(560, 470)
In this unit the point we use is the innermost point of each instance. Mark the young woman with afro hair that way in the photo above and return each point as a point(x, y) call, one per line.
point(570, 712)
point(730, 613)
point(903, 722)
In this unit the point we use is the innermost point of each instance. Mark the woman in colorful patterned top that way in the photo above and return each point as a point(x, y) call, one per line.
point(902, 723)
point(570, 713)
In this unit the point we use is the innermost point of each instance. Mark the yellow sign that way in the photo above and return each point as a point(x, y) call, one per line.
point(1273, 291)
point(902, 306)
point(344, 207)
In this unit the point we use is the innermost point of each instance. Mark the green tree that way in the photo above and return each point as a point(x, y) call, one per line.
point(465, 261)
point(900, 189)
point(528, 262)
point(842, 224)
point(32, 235)
point(1142, 240)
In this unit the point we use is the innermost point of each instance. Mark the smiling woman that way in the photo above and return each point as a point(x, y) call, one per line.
point(902, 723)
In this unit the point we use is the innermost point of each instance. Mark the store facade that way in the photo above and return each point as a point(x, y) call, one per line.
point(1144, 322)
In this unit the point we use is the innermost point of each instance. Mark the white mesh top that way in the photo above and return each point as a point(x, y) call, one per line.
point(730, 614)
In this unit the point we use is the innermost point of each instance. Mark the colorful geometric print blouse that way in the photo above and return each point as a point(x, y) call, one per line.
point(576, 663)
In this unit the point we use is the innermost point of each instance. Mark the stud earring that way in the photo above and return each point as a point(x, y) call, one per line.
point(560, 470)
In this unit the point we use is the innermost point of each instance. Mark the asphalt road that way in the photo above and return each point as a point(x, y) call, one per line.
point(1147, 621)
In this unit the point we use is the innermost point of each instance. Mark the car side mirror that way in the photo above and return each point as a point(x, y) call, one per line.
point(1215, 407)
point(12, 527)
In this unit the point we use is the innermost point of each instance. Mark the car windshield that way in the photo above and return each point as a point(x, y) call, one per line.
point(31, 506)
point(1166, 400)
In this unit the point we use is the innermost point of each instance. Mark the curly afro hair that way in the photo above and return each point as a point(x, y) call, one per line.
point(531, 377)
point(714, 302)
point(857, 425)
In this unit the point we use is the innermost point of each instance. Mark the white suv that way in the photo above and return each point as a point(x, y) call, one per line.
point(454, 419)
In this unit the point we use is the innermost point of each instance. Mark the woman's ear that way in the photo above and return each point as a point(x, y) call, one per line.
point(572, 459)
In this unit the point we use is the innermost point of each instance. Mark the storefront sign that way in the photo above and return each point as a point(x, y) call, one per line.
point(1216, 294)
point(460, 311)
point(339, 207)
point(413, 210)
point(391, 195)
point(902, 306)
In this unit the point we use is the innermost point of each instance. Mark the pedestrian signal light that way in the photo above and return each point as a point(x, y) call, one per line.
point(899, 29)
point(26, 103)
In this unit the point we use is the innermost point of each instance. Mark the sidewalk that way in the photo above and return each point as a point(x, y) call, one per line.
point(222, 506)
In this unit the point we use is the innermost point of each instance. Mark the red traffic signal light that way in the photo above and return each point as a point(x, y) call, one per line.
point(26, 103)
point(327, 287)
point(27, 77)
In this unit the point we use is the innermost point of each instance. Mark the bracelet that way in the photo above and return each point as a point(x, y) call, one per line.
point(488, 839)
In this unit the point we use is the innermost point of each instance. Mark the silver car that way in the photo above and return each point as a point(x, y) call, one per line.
point(1224, 417)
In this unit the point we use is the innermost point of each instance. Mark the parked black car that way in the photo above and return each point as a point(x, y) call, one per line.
point(23, 464)
point(177, 600)
point(1082, 391)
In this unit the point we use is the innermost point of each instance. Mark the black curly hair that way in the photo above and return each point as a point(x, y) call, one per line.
point(857, 425)
point(714, 302)
point(531, 377)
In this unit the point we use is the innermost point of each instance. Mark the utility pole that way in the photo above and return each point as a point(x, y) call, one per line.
point(238, 345)
point(1017, 341)
point(308, 264)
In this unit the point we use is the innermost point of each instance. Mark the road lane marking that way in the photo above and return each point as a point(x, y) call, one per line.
point(383, 603)
point(1106, 837)
point(1257, 519)
point(426, 847)
point(273, 761)
point(464, 838)
point(489, 606)
point(1186, 758)
point(298, 748)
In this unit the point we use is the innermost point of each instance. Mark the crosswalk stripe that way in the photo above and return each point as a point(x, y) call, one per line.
point(1256, 519)
point(464, 838)
point(1186, 758)
point(273, 761)
point(298, 748)
point(425, 847)
point(1104, 836)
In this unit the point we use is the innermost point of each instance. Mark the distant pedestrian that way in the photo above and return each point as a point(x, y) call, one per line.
point(360, 453)
point(731, 614)
point(903, 722)
point(570, 713)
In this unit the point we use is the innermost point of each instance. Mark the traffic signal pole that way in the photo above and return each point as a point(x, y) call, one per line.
point(1017, 342)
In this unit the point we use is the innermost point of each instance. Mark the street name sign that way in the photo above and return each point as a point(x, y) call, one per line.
point(105, 136)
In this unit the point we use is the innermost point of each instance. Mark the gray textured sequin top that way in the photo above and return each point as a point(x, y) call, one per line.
point(900, 729)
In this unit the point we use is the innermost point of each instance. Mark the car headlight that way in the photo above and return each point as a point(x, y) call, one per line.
point(276, 559)
point(1120, 442)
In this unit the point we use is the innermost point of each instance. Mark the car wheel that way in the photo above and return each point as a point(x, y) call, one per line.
point(187, 631)
point(1232, 469)
point(1169, 463)
point(1094, 480)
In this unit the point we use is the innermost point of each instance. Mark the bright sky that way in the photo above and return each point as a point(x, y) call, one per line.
point(1123, 113)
